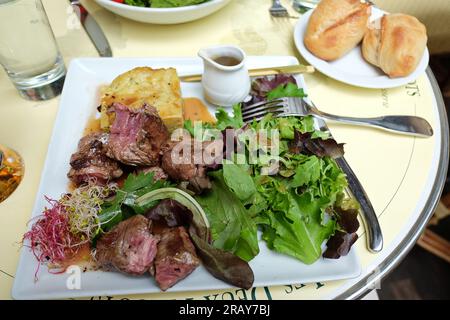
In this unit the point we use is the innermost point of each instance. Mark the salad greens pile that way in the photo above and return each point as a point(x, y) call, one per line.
point(163, 3)
point(297, 207)
point(293, 208)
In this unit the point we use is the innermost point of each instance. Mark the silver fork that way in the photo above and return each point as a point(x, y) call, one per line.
point(277, 9)
point(284, 107)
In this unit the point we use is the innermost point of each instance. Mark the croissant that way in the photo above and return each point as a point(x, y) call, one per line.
point(336, 27)
point(395, 43)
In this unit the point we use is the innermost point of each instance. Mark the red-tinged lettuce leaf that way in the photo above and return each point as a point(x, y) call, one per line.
point(223, 264)
point(348, 219)
point(171, 212)
point(341, 242)
point(262, 86)
point(304, 143)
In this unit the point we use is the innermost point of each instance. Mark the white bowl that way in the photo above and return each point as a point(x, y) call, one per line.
point(164, 15)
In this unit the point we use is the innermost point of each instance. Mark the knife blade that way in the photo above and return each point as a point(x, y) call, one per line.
point(369, 217)
point(92, 28)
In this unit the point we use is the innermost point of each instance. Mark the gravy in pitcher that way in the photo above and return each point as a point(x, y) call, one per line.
point(227, 61)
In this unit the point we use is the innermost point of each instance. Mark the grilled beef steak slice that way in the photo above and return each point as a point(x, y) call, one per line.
point(176, 257)
point(90, 163)
point(128, 247)
point(183, 161)
point(136, 136)
point(158, 173)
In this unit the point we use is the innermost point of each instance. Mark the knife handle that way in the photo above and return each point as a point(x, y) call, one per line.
point(293, 69)
point(370, 219)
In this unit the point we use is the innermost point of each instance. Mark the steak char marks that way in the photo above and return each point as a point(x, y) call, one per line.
point(90, 163)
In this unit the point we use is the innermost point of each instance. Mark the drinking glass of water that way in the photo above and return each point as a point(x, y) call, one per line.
point(304, 5)
point(28, 50)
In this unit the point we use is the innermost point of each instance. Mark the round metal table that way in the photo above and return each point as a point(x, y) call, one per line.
point(26, 127)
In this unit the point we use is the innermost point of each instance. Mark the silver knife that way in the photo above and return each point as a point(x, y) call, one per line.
point(92, 29)
point(370, 219)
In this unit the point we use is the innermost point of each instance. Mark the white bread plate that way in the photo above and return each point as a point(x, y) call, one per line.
point(352, 68)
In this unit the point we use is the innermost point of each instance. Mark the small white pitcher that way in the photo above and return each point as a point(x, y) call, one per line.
point(224, 84)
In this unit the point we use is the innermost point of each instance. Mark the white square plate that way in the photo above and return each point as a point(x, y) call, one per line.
point(79, 99)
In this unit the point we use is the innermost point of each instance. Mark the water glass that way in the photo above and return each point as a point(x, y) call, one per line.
point(28, 50)
point(304, 5)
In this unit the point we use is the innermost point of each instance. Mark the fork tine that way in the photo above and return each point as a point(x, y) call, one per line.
point(258, 118)
point(260, 115)
point(249, 120)
point(254, 105)
point(279, 14)
point(267, 106)
point(277, 9)
point(263, 111)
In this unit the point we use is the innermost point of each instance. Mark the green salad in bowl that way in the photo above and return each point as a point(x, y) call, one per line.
point(161, 3)
point(163, 11)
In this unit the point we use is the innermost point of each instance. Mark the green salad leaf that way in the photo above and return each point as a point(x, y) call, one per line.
point(286, 90)
point(232, 228)
point(238, 180)
point(174, 3)
point(286, 126)
point(163, 3)
point(202, 131)
point(224, 120)
point(138, 3)
point(296, 220)
point(298, 229)
point(123, 205)
point(307, 172)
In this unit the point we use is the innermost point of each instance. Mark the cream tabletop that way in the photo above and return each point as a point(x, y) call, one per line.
point(403, 176)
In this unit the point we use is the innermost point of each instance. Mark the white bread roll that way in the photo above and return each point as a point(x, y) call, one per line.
point(336, 27)
point(395, 43)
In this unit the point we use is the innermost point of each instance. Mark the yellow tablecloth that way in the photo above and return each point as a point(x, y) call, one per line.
point(394, 169)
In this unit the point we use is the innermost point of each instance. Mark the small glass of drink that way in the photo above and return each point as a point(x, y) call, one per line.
point(11, 171)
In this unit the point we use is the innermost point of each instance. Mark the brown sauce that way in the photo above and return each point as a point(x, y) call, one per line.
point(92, 126)
point(82, 258)
point(227, 61)
point(195, 110)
